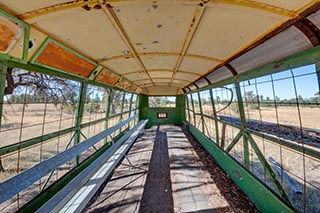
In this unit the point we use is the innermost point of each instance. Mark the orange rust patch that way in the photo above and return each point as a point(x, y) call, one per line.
point(8, 32)
point(108, 78)
point(57, 57)
point(133, 88)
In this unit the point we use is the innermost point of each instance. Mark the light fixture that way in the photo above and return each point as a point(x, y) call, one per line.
point(126, 52)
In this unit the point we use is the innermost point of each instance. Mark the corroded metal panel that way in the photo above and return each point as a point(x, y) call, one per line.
point(57, 57)
point(108, 78)
point(10, 33)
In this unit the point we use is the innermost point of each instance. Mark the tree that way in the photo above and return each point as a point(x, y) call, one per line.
point(26, 86)
point(249, 96)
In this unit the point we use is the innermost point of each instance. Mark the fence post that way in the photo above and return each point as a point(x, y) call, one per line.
point(3, 74)
point(215, 117)
point(78, 119)
point(243, 126)
point(201, 111)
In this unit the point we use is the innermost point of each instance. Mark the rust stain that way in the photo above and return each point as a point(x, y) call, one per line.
point(108, 78)
point(133, 88)
point(276, 66)
point(8, 33)
point(97, 7)
point(86, 7)
point(57, 57)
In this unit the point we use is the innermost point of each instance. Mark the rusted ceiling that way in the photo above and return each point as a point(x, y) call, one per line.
point(157, 45)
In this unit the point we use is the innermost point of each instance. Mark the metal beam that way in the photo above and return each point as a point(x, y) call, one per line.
point(198, 13)
point(266, 165)
point(215, 116)
point(112, 17)
point(78, 115)
point(162, 70)
point(195, 56)
point(3, 75)
point(243, 126)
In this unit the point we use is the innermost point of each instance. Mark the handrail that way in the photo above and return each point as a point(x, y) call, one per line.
point(100, 168)
point(26, 178)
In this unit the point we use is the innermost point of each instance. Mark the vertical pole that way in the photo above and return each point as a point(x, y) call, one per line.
point(121, 110)
point(215, 117)
point(107, 112)
point(318, 75)
point(130, 108)
point(194, 112)
point(79, 114)
point(243, 126)
point(3, 74)
point(201, 111)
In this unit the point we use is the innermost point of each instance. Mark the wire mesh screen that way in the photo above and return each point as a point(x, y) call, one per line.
point(279, 132)
point(43, 115)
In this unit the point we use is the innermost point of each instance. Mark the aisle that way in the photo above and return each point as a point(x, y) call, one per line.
point(163, 173)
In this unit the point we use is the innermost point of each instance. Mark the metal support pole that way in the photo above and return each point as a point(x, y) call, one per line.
point(194, 112)
point(215, 118)
point(3, 74)
point(264, 162)
point(121, 109)
point(78, 119)
point(243, 126)
point(201, 111)
point(318, 75)
point(130, 108)
point(107, 112)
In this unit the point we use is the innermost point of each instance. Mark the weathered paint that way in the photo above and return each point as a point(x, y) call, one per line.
point(108, 78)
point(57, 57)
point(10, 33)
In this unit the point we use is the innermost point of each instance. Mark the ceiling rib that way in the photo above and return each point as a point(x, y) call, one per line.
point(119, 28)
point(157, 70)
point(178, 79)
point(159, 54)
point(55, 8)
point(258, 6)
point(244, 3)
point(161, 84)
point(192, 29)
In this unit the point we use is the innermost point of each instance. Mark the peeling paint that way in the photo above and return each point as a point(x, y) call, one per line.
point(10, 32)
point(159, 26)
point(86, 7)
point(97, 7)
point(108, 78)
point(155, 6)
point(59, 58)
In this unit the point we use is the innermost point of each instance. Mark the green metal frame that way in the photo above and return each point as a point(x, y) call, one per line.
point(79, 115)
point(264, 199)
point(3, 74)
point(215, 116)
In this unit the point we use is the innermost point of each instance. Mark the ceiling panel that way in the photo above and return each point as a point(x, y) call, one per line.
point(225, 29)
point(89, 32)
point(197, 65)
point(159, 74)
point(159, 62)
point(155, 27)
point(121, 66)
point(19, 8)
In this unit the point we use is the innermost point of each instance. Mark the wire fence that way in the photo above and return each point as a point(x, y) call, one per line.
point(282, 114)
point(43, 115)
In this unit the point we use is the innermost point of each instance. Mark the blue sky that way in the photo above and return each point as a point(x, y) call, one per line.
point(305, 78)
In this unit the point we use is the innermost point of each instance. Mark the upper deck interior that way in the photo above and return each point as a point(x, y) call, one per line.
point(244, 76)
point(157, 47)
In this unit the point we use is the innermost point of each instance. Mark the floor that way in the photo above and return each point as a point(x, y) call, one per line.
point(166, 170)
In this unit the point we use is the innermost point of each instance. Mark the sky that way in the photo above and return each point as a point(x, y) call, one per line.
point(305, 80)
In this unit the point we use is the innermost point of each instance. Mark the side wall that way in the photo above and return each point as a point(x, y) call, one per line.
point(175, 115)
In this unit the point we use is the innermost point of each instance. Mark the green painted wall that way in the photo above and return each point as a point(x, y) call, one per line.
point(175, 115)
point(262, 197)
